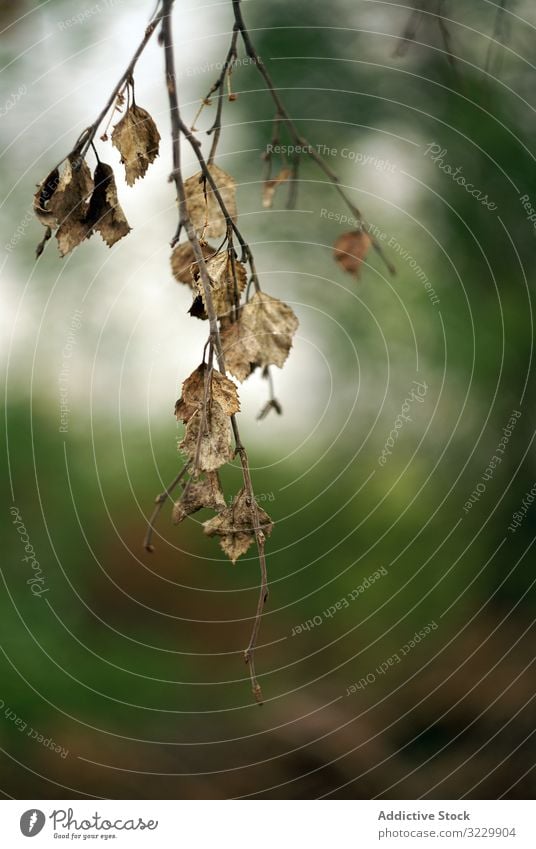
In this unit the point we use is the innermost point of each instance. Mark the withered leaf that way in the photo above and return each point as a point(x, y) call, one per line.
point(204, 208)
point(105, 214)
point(236, 526)
point(228, 278)
point(44, 193)
point(240, 349)
point(193, 390)
point(197, 310)
point(71, 233)
point(215, 448)
point(350, 249)
point(198, 494)
point(270, 186)
point(261, 336)
point(61, 201)
point(222, 391)
point(274, 324)
point(137, 139)
point(183, 262)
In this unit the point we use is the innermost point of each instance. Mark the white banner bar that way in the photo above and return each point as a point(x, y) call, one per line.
point(275, 824)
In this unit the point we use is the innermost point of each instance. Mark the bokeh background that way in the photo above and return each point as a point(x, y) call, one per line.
point(131, 663)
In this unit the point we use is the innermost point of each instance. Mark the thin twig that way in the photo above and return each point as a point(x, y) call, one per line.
point(499, 33)
point(86, 136)
point(410, 30)
point(445, 34)
point(298, 139)
point(177, 128)
point(272, 402)
point(92, 129)
point(219, 86)
point(160, 500)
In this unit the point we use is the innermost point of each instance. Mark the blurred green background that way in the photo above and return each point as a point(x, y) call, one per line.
point(131, 663)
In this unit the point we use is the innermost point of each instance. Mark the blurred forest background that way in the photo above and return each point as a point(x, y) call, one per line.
point(131, 663)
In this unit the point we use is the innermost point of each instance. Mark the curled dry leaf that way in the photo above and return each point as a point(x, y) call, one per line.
point(203, 206)
point(183, 262)
point(198, 494)
point(222, 391)
point(350, 249)
point(269, 187)
point(213, 448)
point(228, 277)
point(261, 336)
point(137, 139)
point(215, 442)
point(61, 202)
point(225, 394)
point(197, 310)
point(104, 213)
point(240, 348)
point(42, 198)
point(236, 526)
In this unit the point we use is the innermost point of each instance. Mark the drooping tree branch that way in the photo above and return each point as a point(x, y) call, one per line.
point(76, 205)
point(178, 128)
point(85, 139)
point(282, 117)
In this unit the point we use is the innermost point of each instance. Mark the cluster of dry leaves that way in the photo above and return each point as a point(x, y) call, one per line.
point(254, 333)
point(75, 204)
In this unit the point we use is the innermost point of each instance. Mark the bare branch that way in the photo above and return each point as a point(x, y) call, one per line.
point(177, 128)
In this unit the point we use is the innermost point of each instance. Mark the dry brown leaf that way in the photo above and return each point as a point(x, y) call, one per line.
point(105, 214)
point(204, 208)
point(43, 195)
point(227, 283)
point(71, 233)
point(350, 249)
point(274, 324)
point(197, 310)
point(236, 526)
point(225, 394)
point(261, 336)
point(61, 201)
point(137, 139)
point(198, 494)
point(240, 349)
point(183, 262)
point(192, 396)
point(215, 448)
point(222, 391)
point(269, 187)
